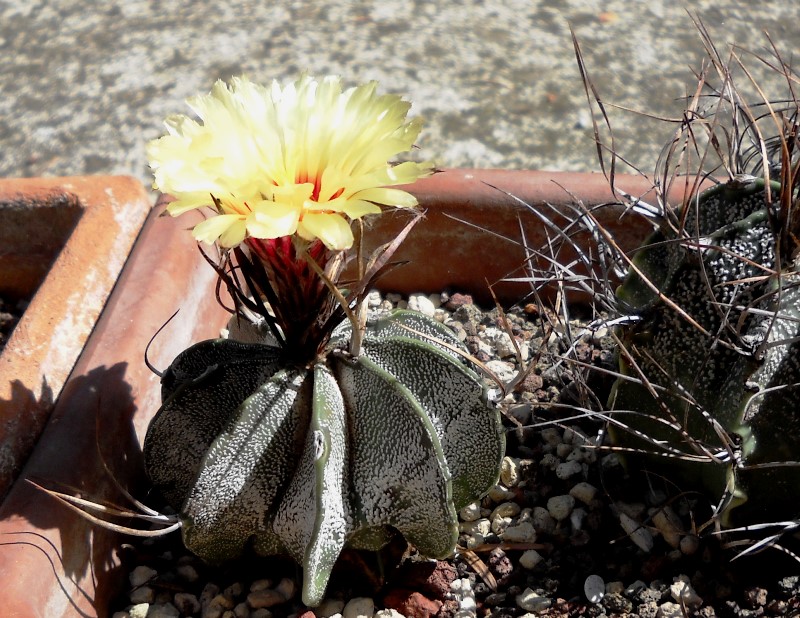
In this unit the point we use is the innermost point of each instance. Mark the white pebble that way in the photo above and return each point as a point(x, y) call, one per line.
point(498, 494)
point(638, 534)
point(670, 610)
point(530, 558)
point(504, 370)
point(576, 518)
point(388, 613)
point(531, 601)
point(669, 525)
point(560, 507)
point(499, 525)
point(583, 491)
point(359, 607)
point(471, 512)
point(286, 587)
point(567, 469)
point(509, 471)
point(374, 299)
point(594, 588)
point(506, 509)
point(480, 526)
point(421, 303)
point(139, 610)
point(328, 608)
point(521, 533)
point(141, 575)
point(683, 592)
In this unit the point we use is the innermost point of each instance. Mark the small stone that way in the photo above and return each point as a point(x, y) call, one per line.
point(242, 610)
point(503, 370)
point(268, 598)
point(388, 613)
point(583, 491)
point(186, 603)
point(142, 575)
point(615, 587)
point(640, 535)
point(209, 592)
point(498, 494)
point(532, 601)
point(359, 607)
point(689, 544)
point(682, 591)
point(163, 610)
point(552, 436)
point(568, 469)
point(471, 512)
point(670, 610)
point(506, 509)
point(521, 533)
point(142, 594)
point(499, 525)
point(542, 521)
point(329, 608)
point(480, 526)
point(530, 558)
point(287, 587)
point(188, 573)
point(222, 601)
point(560, 507)
point(139, 610)
point(594, 588)
point(576, 518)
point(669, 525)
point(265, 613)
point(421, 303)
point(233, 591)
point(412, 604)
point(260, 584)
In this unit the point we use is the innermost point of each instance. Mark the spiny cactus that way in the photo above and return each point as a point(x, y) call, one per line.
point(304, 460)
point(714, 350)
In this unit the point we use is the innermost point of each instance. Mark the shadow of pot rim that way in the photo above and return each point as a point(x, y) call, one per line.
point(55, 563)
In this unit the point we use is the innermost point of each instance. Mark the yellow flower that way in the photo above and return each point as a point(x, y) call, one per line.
point(305, 159)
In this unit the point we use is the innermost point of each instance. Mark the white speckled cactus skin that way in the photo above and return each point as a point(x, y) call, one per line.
point(744, 371)
point(303, 461)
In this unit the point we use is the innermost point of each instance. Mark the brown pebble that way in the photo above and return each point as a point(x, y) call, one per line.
point(265, 598)
point(411, 604)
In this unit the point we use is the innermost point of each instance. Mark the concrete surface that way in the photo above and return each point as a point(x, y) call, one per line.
point(85, 84)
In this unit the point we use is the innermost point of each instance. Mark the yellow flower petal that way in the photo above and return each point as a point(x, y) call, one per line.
point(332, 230)
point(272, 220)
point(311, 146)
point(390, 197)
point(229, 230)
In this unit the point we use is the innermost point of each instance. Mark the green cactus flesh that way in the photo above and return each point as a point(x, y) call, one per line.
point(742, 372)
point(304, 461)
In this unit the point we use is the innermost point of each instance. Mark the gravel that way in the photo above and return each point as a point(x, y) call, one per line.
point(567, 532)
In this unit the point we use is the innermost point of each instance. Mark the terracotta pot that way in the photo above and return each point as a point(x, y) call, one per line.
point(66, 240)
point(54, 563)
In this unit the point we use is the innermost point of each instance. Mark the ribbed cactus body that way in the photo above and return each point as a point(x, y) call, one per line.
point(737, 366)
point(305, 460)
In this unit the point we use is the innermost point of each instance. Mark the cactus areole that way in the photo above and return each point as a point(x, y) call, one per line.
point(303, 460)
point(715, 351)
